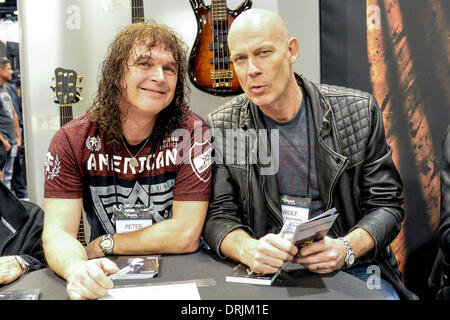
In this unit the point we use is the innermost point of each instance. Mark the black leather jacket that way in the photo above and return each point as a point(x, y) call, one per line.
point(355, 174)
point(444, 227)
point(439, 279)
point(21, 224)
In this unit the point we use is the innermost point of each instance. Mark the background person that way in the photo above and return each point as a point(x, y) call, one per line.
point(9, 122)
point(20, 234)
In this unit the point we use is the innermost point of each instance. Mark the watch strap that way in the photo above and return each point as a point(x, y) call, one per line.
point(24, 265)
point(348, 252)
point(107, 250)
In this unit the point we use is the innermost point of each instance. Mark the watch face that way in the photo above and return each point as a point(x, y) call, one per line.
point(351, 259)
point(107, 243)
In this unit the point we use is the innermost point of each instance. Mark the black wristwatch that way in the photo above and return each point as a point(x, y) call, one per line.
point(107, 244)
point(350, 255)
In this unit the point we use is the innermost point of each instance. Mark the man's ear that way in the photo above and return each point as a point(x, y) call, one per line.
point(293, 50)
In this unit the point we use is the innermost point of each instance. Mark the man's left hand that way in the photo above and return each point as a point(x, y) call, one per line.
point(324, 256)
point(10, 269)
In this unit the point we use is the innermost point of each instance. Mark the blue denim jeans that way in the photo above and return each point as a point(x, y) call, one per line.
point(363, 272)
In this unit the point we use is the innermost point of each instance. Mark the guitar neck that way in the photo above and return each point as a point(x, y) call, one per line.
point(219, 10)
point(137, 11)
point(65, 113)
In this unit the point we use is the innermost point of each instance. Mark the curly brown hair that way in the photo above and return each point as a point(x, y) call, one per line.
point(105, 111)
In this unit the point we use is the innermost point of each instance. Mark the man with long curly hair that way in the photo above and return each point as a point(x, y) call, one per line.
point(137, 147)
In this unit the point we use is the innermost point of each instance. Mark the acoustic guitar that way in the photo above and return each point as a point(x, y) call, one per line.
point(210, 68)
point(66, 94)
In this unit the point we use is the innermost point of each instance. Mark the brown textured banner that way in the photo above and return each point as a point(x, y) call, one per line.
point(399, 50)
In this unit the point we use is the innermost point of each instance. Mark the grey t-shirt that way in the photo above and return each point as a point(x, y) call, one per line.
point(293, 177)
point(6, 116)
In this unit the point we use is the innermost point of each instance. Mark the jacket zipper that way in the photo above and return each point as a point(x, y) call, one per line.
point(249, 173)
point(333, 184)
point(271, 206)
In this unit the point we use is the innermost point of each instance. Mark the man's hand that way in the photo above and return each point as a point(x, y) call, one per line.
point(7, 145)
point(19, 141)
point(88, 279)
point(270, 252)
point(324, 256)
point(265, 255)
point(93, 249)
point(10, 269)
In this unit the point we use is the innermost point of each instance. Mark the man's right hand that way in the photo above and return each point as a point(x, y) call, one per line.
point(88, 279)
point(270, 252)
point(7, 145)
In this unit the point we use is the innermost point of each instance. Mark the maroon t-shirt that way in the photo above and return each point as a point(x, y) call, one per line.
point(80, 164)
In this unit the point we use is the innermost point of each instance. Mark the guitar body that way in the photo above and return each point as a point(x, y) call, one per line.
point(210, 68)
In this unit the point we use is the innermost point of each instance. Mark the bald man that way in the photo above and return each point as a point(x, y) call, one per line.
point(327, 149)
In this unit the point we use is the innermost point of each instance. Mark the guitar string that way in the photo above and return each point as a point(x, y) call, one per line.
point(222, 30)
point(225, 44)
point(137, 11)
point(228, 55)
point(214, 41)
point(222, 62)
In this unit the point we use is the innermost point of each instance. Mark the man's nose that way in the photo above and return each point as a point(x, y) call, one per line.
point(253, 68)
point(157, 73)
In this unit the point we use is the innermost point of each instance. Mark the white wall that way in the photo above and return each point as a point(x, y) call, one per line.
point(302, 21)
point(75, 34)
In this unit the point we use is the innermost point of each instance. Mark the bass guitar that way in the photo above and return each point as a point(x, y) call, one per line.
point(210, 68)
point(137, 11)
point(66, 94)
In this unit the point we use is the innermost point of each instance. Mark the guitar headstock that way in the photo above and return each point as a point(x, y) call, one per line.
point(65, 87)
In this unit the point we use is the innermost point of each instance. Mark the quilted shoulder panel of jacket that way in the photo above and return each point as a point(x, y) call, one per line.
point(352, 116)
point(230, 114)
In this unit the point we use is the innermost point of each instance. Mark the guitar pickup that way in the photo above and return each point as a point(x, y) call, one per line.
point(218, 46)
point(219, 60)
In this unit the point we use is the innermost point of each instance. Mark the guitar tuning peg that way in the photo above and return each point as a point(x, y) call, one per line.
point(80, 88)
point(79, 97)
point(80, 79)
point(53, 78)
point(53, 88)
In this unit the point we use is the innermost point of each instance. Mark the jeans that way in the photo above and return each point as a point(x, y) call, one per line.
point(18, 182)
point(8, 168)
point(363, 272)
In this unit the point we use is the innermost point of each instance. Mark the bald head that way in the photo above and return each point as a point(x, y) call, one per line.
point(258, 21)
point(262, 55)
